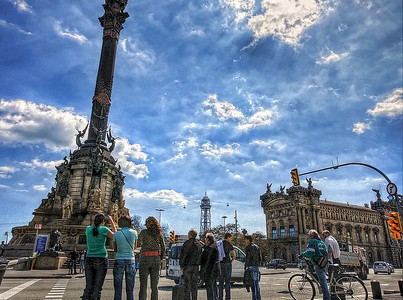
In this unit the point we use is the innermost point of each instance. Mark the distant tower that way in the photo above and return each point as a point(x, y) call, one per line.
point(205, 216)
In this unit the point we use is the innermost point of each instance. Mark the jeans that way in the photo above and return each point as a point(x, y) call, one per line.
point(149, 266)
point(191, 274)
point(225, 277)
point(255, 274)
point(73, 266)
point(322, 280)
point(95, 272)
point(211, 288)
point(124, 267)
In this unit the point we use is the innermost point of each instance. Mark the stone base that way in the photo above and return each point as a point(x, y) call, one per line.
point(48, 262)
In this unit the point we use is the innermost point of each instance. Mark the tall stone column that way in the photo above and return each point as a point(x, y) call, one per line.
point(299, 218)
point(303, 220)
point(112, 22)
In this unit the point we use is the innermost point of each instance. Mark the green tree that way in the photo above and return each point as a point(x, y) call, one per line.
point(137, 224)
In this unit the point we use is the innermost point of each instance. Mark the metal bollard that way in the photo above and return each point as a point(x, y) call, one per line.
point(376, 289)
point(400, 283)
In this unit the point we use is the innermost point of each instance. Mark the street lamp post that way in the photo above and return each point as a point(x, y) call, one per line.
point(160, 210)
point(224, 217)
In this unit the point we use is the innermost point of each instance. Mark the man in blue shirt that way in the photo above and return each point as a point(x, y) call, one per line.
point(124, 242)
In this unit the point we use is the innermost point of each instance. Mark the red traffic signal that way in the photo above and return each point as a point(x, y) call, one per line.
point(294, 176)
point(395, 226)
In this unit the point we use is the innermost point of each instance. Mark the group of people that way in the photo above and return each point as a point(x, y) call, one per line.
point(75, 257)
point(214, 260)
point(125, 241)
point(210, 260)
point(316, 249)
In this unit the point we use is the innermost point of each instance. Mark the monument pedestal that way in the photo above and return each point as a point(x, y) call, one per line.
point(49, 260)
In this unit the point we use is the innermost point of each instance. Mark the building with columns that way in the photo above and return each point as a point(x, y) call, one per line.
point(291, 214)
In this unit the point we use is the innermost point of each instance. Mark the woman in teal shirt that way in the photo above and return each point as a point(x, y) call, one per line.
point(96, 262)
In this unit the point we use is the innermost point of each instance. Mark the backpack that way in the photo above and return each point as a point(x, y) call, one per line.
point(320, 257)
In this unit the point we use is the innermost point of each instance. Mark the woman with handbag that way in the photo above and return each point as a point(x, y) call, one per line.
point(124, 243)
point(152, 253)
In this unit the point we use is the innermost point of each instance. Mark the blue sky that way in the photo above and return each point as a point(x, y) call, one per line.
point(219, 97)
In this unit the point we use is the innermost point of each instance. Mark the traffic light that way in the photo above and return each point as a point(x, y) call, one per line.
point(294, 176)
point(172, 236)
point(395, 226)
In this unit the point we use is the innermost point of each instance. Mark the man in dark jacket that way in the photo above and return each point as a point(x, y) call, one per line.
point(209, 266)
point(189, 262)
point(252, 263)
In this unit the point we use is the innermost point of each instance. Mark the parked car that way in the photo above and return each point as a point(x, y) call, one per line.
point(391, 268)
point(381, 267)
point(277, 263)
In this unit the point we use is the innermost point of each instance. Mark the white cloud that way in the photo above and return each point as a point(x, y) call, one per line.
point(141, 58)
point(391, 107)
point(361, 127)
point(332, 57)
point(13, 26)
point(5, 171)
point(214, 152)
point(270, 144)
point(264, 117)
point(223, 109)
point(182, 146)
point(22, 6)
point(67, 33)
point(286, 20)
point(163, 196)
point(264, 165)
point(40, 187)
point(36, 163)
point(126, 154)
point(25, 122)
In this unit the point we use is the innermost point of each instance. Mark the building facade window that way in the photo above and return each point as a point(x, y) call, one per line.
point(273, 232)
point(282, 232)
point(291, 230)
point(376, 237)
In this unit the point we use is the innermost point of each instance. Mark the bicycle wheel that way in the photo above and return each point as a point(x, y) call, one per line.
point(301, 287)
point(349, 287)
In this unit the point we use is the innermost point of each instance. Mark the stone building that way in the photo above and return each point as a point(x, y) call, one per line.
point(290, 215)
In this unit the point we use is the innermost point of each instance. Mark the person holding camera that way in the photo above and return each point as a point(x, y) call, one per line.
point(96, 262)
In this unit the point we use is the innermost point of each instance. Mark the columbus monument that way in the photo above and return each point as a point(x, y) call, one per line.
point(89, 180)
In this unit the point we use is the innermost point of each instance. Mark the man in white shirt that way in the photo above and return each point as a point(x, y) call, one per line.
point(333, 248)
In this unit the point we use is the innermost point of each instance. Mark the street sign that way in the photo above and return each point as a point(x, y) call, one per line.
point(41, 243)
point(38, 226)
point(391, 189)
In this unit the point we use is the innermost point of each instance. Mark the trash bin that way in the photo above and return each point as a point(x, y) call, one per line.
point(22, 264)
point(3, 267)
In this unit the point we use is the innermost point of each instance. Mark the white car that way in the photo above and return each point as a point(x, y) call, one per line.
point(381, 267)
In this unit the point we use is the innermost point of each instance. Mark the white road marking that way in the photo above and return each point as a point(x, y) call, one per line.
point(57, 292)
point(17, 289)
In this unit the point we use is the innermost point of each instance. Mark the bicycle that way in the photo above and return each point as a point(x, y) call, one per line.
point(341, 286)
